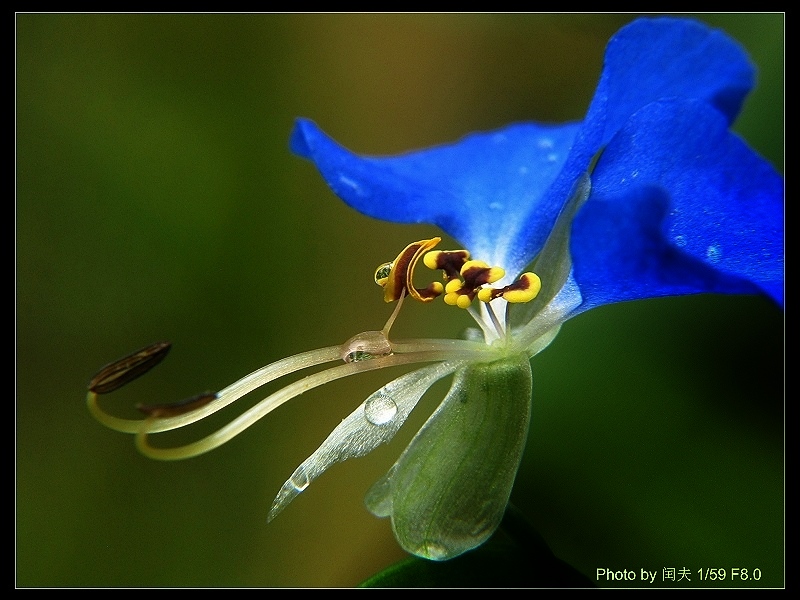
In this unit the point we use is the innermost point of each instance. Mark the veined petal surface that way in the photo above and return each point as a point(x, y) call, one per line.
point(374, 422)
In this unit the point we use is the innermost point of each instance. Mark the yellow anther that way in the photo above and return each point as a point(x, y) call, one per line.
point(477, 273)
point(486, 294)
point(447, 261)
point(431, 258)
point(435, 288)
point(524, 289)
point(453, 286)
point(495, 274)
point(464, 279)
point(473, 264)
point(459, 300)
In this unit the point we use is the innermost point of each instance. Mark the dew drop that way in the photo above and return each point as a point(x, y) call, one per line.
point(299, 480)
point(366, 346)
point(432, 551)
point(379, 409)
point(680, 241)
point(348, 182)
point(714, 253)
point(357, 356)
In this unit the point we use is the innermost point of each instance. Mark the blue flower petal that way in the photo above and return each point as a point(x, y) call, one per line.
point(499, 193)
point(481, 190)
point(651, 59)
point(679, 205)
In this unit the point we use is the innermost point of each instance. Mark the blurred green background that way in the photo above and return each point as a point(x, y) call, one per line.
point(156, 198)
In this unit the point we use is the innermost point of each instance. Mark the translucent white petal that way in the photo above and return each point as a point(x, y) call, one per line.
point(373, 423)
point(554, 266)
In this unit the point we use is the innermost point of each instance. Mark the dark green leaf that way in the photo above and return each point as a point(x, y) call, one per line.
point(518, 559)
point(493, 565)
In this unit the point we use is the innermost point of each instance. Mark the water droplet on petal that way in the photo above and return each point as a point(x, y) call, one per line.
point(680, 241)
point(299, 480)
point(348, 182)
point(714, 253)
point(379, 409)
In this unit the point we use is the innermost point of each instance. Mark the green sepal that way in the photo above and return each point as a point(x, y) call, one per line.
point(519, 559)
point(448, 491)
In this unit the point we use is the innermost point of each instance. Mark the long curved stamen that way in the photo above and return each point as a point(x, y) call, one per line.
point(161, 417)
point(266, 375)
point(230, 394)
point(369, 350)
point(275, 400)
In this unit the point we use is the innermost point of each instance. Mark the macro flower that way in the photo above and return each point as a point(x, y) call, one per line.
point(649, 195)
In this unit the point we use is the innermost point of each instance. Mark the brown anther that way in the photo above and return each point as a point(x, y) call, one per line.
point(524, 289)
point(114, 375)
point(447, 261)
point(488, 294)
point(173, 409)
point(477, 273)
point(400, 276)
